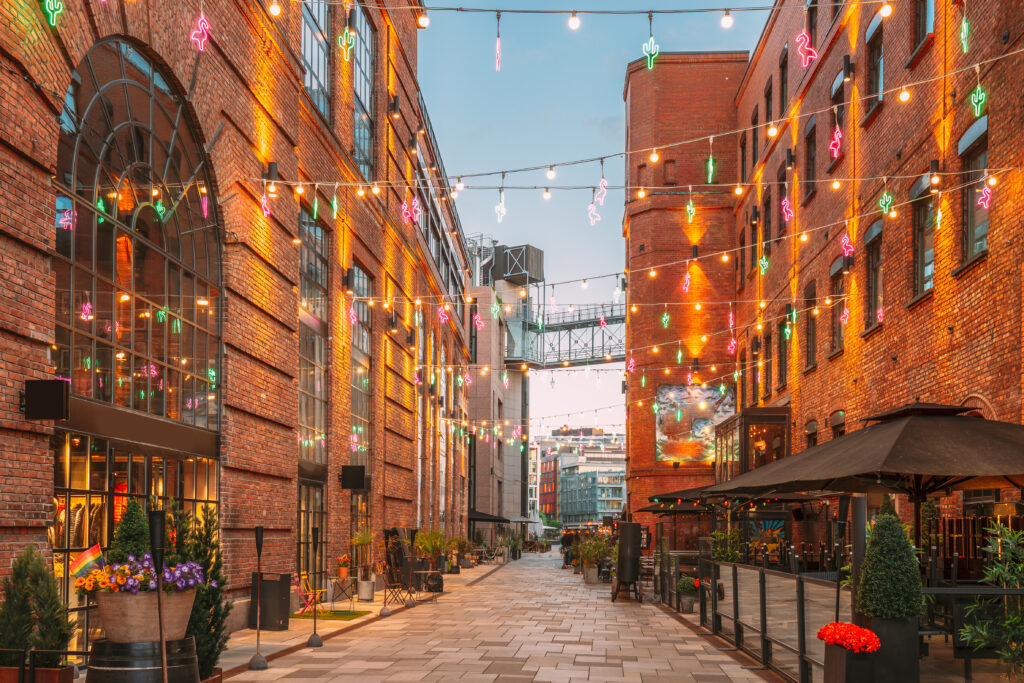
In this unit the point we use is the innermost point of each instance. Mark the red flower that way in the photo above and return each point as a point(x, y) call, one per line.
point(849, 637)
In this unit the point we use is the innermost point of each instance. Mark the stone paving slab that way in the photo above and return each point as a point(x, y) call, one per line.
point(531, 621)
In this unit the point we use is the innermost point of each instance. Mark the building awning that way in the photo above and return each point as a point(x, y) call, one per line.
point(518, 519)
point(477, 516)
point(688, 495)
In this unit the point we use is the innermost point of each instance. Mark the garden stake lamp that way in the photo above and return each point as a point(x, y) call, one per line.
point(258, 662)
point(157, 519)
point(314, 638)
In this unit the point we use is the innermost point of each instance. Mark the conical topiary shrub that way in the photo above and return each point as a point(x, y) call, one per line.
point(131, 536)
point(16, 619)
point(890, 580)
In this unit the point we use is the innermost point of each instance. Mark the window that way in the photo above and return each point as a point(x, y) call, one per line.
point(810, 157)
point(838, 306)
point(837, 421)
point(743, 157)
point(924, 20)
point(743, 381)
point(975, 214)
point(784, 331)
point(766, 370)
point(753, 244)
point(784, 81)
point(362, 85)
point(783, 194)
point(924, 245)
point(812, 21)
point(362, 356)
point(754, 150)
point(876, 69)
point(312, 341)
point(838, 101)
point(312, 516)
point(316, 53)
point(873, 315)
point(768, 102)
point(766, 220)
point(743, 258)
point(811, 433)
point(811, 326)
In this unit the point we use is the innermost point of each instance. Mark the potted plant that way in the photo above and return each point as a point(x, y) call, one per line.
point(592, 551)
point(344, 565)
point(430, 544)
point(462, 549)
point(361, 545)
point(889, 592)
point(849, 653)
point(33, 617)
point(516, 546)
point(686, 593)
point(208, 622)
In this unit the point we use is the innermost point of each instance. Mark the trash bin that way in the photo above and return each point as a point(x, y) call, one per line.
point(275, 602)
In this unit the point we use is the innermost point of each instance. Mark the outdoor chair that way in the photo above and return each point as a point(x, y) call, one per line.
point(311, 597)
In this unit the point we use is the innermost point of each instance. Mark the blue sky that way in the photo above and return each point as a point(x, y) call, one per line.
point(557, 98)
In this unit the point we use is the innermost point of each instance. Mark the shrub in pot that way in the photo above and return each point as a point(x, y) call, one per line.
point(686, 593)
point(33, 617)
point(207, 623)
point(592, 551)
point(849, 653)
point(889, 592)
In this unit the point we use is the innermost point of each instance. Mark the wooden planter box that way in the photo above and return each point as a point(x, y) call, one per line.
point(897, 661)
point(843, 666)
point(65, 674)
point(128, 618)
point(216, 677)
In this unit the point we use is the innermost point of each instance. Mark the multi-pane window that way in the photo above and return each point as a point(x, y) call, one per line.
point(811, 325)
point(743, 157)
point(754, 151)
point(743, 258)
point(783, 334)
point(766, 370)
point(874, 295)
point(753, 244)
point(975, 210)
point(810, 157)
point(362, 86)
point(362, 356)
point(924, 20)
point(924, 245)
point(876, 69)
point(838, 101)
point(766, 220)
point(784, 81)
point(837, 420)
point(313, 267)
point(312, 341)
point(783, 194)
point(743, 381)
point(811, 433)
point(316, 53)
point(768, 102)
point(838, 306)
point(812, 21)
point(311, 516)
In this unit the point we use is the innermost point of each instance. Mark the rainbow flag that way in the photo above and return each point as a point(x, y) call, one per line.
point(86, 561)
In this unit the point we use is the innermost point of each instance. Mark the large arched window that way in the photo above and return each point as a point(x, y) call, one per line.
point(138, 267)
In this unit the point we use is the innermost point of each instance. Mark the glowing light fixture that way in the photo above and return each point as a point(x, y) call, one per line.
point(654, 157)
point(574, 22)
point(727, 20)
point(886, 10)
point(275, 8)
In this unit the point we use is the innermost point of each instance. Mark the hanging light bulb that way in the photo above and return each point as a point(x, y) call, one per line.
point(698, 307)
point(773, 130)
point(652, 272)
point(836, 184)
point(992, 180)
point(375, 189)
point(459, 185)
point(654, 156)
point(275, 8)
point(300, 190)
point(361, 191)
point(522, 293)
point(904, 95)
point(272, 191)
point(738, 191)
point(641, 193)
point(584, 284)
point(574, 22)
point(725, 258)
point(423, 20)
point(828, 301)
point(547, 193)
point(727, 20)
point(632, 309)
point(886, 10)
point(551, 173)
point(803, 237)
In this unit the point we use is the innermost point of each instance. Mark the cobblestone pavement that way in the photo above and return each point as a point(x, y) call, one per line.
point(529, 621)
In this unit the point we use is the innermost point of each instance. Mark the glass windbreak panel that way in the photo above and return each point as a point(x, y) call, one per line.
point(779, 604)
point(749, 590)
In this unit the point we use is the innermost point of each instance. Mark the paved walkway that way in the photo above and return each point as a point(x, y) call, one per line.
point(528, 621)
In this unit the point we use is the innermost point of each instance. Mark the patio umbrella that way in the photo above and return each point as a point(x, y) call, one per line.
point(920, 449)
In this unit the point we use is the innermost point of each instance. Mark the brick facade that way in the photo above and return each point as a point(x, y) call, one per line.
point(955, 343)
point(246, 98)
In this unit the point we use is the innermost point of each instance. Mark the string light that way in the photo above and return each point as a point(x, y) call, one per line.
point(375, 189)
point(727, 20)
point(275, 8)
point(547, 193)
point(641, 193)
point(459, 185)
point(423, 21)
point(574, 22)
point(551, 173)
point(886, 10)
point(904, 95)
point(773, 130)
point(836, 184)
point(654, 157)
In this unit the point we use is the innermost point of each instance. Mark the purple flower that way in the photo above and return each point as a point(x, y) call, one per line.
point(213, 583)
point(152, 585)
point(131, 558)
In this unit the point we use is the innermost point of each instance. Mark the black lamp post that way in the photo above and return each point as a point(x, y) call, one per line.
point(258, 661)
point(314, 638)
point(157, 522)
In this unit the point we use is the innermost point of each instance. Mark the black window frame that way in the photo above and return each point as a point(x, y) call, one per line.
point(363, 62)
point(810, 326)
point(754, 151)
point(811, 12)
point(874, 87)
point(782, 360)
point(317, 53)
point(810, 158)
point(874, 281)
point(975, 162)
point(923, 22)
point(923, 222)
point(783, 81)
point(767, 369)
point(837, 290)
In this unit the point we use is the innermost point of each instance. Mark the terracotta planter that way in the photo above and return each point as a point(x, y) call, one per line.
point(343, 572)
point(843, 666)
point(128, 618)
point(66, 674)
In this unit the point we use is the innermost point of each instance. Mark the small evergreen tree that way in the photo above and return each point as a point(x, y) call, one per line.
point(890, 581)
point(53, 630)
point(207, 623)
point(16, 619)
point(131, 536)
point(888, 507)
point(179, 529)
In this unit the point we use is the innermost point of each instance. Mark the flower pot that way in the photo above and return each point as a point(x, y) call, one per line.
point(897, 660)
point(64, 674)
point(466, 562)
point(216, 677)
point(590, 575)
point(844, 666)
point(128, 618)
point(343, 572)
point(365, 590)
point(686, 603)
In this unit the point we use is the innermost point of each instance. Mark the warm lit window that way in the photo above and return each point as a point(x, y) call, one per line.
point(975, 214)
point(316, 53)
point(838, 306)
point(766, 369)
point(362, 84)
point(811, 433)
point(312, 415)
point(362, 356)
point(876, 69)
point(311, 516)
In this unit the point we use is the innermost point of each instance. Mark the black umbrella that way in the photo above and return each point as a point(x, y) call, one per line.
point(920, 450)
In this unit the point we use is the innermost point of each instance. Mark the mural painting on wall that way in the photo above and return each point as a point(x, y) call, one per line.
point(685, 421)
point(767, 533)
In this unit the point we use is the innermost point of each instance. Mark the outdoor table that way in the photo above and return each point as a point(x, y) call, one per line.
point(346, 587)
point(426, 573)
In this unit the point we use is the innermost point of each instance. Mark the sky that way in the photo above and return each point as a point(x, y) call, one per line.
point(557, 98)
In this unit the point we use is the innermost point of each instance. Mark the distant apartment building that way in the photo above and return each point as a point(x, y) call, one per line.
point(582, 475)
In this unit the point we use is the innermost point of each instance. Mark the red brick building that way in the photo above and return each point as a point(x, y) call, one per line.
point(927, 303)
point(203, 233)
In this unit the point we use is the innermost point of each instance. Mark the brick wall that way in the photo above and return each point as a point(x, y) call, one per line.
point(247, 86)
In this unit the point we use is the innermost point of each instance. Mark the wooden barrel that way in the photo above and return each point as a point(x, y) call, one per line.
point(140, 662)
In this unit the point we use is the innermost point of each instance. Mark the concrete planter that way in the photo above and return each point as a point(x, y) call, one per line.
point(590, 575)
point(897, 661)
point(686, 601)
point(365, 590)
